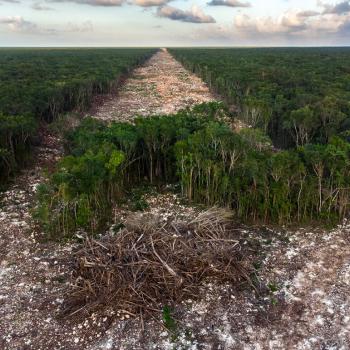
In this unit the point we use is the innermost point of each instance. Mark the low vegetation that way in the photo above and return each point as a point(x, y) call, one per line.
point(105, 161)
point(214, 165)
point(15, 138)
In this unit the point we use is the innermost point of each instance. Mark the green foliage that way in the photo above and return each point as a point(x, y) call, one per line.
point(273, 287)
point(302, 125)
point(300, 97)
point(85, 188)
point(15, 135)
point(137, 201)
point(218, 167)
point(304, 91)
point(255, 138)
point(214, 166)
point(40, 84)
point(46, 82)
point(168, 319)
point(105, 161)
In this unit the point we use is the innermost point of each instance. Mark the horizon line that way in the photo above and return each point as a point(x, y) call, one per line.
point(172, 46)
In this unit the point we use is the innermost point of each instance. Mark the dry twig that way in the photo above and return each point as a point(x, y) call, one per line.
point(148, 265)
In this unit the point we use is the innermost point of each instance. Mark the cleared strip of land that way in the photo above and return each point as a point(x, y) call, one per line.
point(161, 86)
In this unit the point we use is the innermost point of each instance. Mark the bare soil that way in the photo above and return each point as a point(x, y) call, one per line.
point(161, 86)
point(301, 298)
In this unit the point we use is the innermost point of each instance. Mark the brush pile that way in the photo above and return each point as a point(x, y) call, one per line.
point(149, 264)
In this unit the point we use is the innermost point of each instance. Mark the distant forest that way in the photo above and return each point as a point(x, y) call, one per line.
point(37, 85)
point(297, 95)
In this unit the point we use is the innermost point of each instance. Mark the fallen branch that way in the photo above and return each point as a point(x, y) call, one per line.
point(150, 264)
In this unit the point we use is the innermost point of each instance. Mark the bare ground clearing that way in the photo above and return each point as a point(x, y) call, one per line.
point(161, 86)
point(304, 274)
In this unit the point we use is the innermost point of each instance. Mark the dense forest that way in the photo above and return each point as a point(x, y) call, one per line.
point(297, 95)
point(214, 165)
point(38, 84)
point(290, 164)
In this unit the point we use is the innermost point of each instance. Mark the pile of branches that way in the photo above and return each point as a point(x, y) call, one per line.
point(150, 264)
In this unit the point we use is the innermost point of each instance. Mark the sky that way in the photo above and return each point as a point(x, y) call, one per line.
point(165, 23)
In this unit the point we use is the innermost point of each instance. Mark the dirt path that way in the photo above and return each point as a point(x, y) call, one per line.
point(161, 86)
point(306, 304)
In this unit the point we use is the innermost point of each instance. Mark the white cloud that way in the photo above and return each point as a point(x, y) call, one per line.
point(41, 7)
point(286, 23)
point(11, 1)
point(308, 13)
point(80, 28)
point(149, 3)
point(18, 24)
point(304, 23)
point(229, 3)
point(195, 15)
point(293, 27)
point(104, 3)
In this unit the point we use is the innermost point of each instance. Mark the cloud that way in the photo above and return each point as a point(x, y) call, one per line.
point(40, 7)
point(230, 3)
point(195, 15)
point(340, 8)
point(111, 3)
point(344, 28)
point(292, 22)
point(80, 28)
point(308, 13)
point(11, 1)
point(18, 24)
point(329, 26)
point(289, 22)
point(103, 3)
point(292, 27)
point(149, 3)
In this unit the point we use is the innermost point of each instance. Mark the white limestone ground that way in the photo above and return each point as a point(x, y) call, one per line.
point(161, 86)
